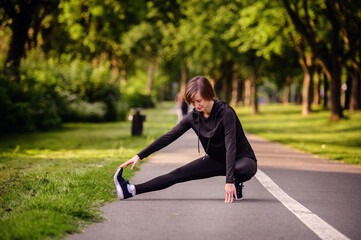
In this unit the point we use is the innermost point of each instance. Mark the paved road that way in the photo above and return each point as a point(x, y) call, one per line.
point(293, 196)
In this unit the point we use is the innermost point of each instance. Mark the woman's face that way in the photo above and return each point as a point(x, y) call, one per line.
point(201, 104)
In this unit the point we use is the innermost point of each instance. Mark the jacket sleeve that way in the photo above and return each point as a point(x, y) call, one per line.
point(167, 138)
point(229, 123)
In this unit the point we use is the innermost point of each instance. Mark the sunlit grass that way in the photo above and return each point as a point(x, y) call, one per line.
point(54, 182)
point(314, 133)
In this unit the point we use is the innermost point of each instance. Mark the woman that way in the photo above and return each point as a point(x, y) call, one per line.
point(228, 152)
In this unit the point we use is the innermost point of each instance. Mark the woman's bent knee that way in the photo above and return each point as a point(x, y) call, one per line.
point(245, 169)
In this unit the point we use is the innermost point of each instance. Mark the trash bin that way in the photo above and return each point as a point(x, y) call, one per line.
point(137, 123)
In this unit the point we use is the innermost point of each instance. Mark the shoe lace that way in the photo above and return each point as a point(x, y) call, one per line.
point(124, 182)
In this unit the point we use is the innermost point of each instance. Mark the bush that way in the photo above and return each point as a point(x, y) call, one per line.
point(26, 105)
point(81, 111)
point(82, 84)
point(136, 100)
point(122, 111)
point(50, 91)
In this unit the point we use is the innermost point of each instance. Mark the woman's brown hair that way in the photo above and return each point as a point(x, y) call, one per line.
point(201, 84)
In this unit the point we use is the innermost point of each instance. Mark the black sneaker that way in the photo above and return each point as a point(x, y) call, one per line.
point(122, 185)
point(239, 191)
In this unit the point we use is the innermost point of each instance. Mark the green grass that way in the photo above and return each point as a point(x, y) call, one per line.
point(53, 183)
point(313, 133)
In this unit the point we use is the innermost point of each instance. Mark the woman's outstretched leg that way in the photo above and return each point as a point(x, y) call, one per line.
point(197, 169)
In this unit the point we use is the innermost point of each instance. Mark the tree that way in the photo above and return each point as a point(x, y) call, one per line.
point(320, 24)
point(21, 15)
point(350, 29)
point(258, 34)
point(202, 42)
point(146, 39)
point(96, 28)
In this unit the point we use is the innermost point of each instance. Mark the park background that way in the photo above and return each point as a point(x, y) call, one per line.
point(72, 71)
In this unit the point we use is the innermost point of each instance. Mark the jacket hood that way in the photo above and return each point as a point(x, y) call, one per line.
point(217, 109)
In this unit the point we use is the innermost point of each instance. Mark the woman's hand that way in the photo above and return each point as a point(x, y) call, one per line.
point(230, 190)
point(134, 160)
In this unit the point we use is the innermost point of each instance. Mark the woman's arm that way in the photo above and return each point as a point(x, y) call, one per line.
point(167, 138)
point(229, 123)
point(160, 143)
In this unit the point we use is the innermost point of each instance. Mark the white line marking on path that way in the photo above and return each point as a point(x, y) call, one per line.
point(321, 228)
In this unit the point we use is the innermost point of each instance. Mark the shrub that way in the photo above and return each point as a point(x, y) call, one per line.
point(136, 100)
point(27, 105)
point(49, 91)
point(81, 111)
point(81, 84)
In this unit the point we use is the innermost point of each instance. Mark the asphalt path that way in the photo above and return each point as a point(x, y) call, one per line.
point(294, 195)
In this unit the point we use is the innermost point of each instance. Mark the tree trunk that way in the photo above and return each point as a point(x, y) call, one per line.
point(115, 71)
point(336, 109)
point(240, 89)
point(227, 69)
point(330, 57)
point(151, 76)
point(20, 27)
point(254, 92)
point(33, 42)
point(317, 86)
point(307, 65)
point(347, 91)
point(306, 106)
point(123, 77)
point(326, 93)
point(354, 103)
point(184, 76)
point(235, 89)
point(359, 91)
point(287, 92)
point(247, 92)
point(299, 92)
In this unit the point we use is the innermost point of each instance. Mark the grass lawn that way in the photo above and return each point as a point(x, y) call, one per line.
point(314, 133)
point(52, 183)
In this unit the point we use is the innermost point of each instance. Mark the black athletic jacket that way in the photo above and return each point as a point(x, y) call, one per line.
point(221, 135)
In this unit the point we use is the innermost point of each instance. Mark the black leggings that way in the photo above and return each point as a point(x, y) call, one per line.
point(245, 169)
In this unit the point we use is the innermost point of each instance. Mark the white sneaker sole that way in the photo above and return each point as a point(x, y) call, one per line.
point(118, 187)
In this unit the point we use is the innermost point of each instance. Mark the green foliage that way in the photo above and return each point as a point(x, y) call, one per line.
point(143, 39)
point(98, 25)
point(51, 91)
point(28, 105)
point(81, 111)
point(135, 93)
point(313, 133)
point(82, 85)
point(81, 46)
point(201, 35)
point(260, 27)
point(138, 100)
